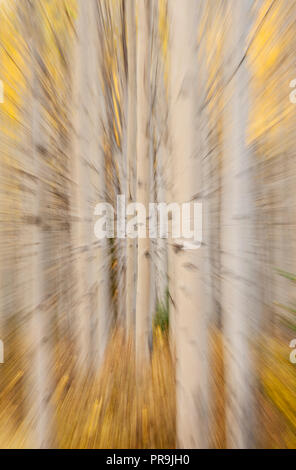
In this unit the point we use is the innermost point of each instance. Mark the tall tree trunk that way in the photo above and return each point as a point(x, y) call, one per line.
point(238, 277)
point(81, 176)
point(143, 172)
point(186, 161)
point(101, 287)
point(40, 386)
point(131, 161)
point(161, 260)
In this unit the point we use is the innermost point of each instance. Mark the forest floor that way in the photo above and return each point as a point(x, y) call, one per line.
point(114, 410)
point(110, 410)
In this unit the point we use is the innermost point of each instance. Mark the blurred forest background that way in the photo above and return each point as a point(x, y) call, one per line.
point(125, 343)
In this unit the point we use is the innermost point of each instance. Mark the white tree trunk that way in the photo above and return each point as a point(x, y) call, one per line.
point(39, 383)
point(143, 172)
point(238, 277)
point(131, 161)
point(186, 161)
point(82, 230)
point(100, 287)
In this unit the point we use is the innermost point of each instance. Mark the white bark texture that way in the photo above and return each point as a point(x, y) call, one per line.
point(143, 172)
point(238, 295)
point(190, 321)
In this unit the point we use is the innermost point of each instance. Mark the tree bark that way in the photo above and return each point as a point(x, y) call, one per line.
point(131, 162)
point(143, 172)
point(186, 161)
point(238, 298)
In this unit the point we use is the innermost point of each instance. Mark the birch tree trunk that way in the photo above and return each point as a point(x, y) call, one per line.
point(239, 303)
point(161, 260)
point(81, 175)
point(101, 287)
point(143, 172)
point(186, 161)
point(159, 140)
point(40, 378)
point(131, 161)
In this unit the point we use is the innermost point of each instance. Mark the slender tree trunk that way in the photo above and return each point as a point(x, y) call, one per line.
point(131, 161)
point(186, 161)
point(40, 386)
point(161, 260)
point(143, 172)
point(101, 287)
point(81, 176)
point(238, 276)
